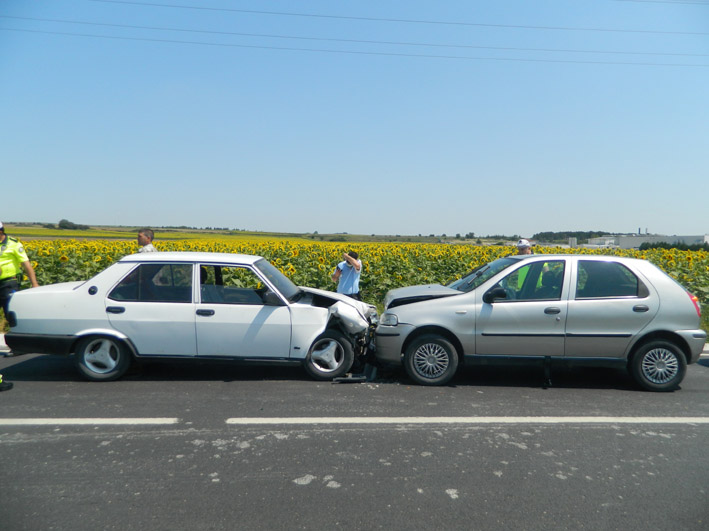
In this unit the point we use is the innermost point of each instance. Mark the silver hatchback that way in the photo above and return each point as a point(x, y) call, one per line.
point(580, 309)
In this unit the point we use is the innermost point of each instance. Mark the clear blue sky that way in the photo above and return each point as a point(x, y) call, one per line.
point(492, 117)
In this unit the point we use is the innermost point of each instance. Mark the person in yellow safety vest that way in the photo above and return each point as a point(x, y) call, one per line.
point(13, 259)
point(523, 247)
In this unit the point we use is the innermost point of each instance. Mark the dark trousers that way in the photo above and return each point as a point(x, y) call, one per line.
point(7, 288)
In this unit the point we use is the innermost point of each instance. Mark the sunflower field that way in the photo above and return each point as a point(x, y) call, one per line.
point(385, 265)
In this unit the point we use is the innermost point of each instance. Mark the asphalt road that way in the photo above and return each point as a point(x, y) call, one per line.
point(215, 446)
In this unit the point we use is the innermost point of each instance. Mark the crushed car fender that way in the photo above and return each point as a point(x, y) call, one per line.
point(350, 318)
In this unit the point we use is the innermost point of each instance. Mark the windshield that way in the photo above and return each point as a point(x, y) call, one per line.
point(479, 275)
point(282, 283)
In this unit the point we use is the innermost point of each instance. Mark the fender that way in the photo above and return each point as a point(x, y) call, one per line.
point(59, 344)
point(351, 319)
point(340, 315)
point(106, 332)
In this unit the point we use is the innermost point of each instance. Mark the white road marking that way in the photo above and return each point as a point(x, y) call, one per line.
point(468, 420)
point(303, 421)
point(88, 422)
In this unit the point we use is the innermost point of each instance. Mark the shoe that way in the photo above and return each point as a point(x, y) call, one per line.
point(9, 354)
point(6, 386)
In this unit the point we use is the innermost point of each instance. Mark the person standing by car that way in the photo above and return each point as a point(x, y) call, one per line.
point(347, 275)
point(13, 259)
point(524, 247)
point(145, 240)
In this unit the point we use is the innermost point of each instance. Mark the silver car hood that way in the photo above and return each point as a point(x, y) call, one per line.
point(410, 294)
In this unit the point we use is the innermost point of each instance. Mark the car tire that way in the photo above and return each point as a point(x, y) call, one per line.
point(658, 366)
point(330, 356)
point(101, 358)
point(431, 360)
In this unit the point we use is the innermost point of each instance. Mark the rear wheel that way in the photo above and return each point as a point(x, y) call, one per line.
point(101, 359)
point(330, 356)
point(658, 366)
point(431, 360)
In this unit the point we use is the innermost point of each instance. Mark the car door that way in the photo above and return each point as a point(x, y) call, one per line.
point(234, 320)
point(152, 305)
point(531, 318)
point(611, 304)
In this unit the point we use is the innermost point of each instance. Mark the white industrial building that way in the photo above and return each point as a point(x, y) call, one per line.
point(634, 241)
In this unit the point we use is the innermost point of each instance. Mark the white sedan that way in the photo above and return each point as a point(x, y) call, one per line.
point(191, 305)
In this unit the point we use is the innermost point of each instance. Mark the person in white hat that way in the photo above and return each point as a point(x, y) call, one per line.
point(524, 247)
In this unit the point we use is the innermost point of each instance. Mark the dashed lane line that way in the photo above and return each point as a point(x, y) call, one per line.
point(304, 421)
point(466, 420)
point(89, 422)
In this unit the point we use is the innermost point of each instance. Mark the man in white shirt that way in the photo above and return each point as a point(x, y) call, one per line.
point(145, 240)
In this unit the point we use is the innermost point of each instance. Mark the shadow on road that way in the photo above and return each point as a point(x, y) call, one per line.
point(44, 368)
point(38, 368)
point(532, 375)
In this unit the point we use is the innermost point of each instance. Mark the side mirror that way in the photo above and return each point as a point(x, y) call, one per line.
point(494, 294)
point(271, 299)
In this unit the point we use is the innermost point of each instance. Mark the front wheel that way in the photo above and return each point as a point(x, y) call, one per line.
point(431, 360)
point(101, 359)
point(658, 366)
point(330, 356)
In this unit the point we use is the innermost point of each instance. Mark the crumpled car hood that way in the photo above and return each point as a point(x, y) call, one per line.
point(351, 313)
point(410, 294)
point(362, 307)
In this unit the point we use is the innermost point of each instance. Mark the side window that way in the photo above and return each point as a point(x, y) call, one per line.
point(607, 279)
point(156, 283)
point(514, 282)
point(536, 281)
point(230, 285)
point(550, 281)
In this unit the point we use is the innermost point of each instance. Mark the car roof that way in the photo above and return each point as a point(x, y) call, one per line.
point(597, 257)
point(184, 256)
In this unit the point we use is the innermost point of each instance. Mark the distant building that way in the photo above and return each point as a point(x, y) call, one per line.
point(634, 241)
point(602, 242)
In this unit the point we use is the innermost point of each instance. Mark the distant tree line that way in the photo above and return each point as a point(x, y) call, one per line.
point(66, 224)
point(563, 237)
point(502, 237)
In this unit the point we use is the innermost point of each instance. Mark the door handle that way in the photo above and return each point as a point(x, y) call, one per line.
point(205, 313)
point(115, 309)
point(641, 308)
point(552, 310)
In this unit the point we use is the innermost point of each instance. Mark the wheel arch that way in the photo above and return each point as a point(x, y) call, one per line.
point(436, 330)
point(660, 335)
point(102, 332)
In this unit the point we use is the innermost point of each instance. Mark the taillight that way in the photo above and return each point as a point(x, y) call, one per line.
point(695, 300)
